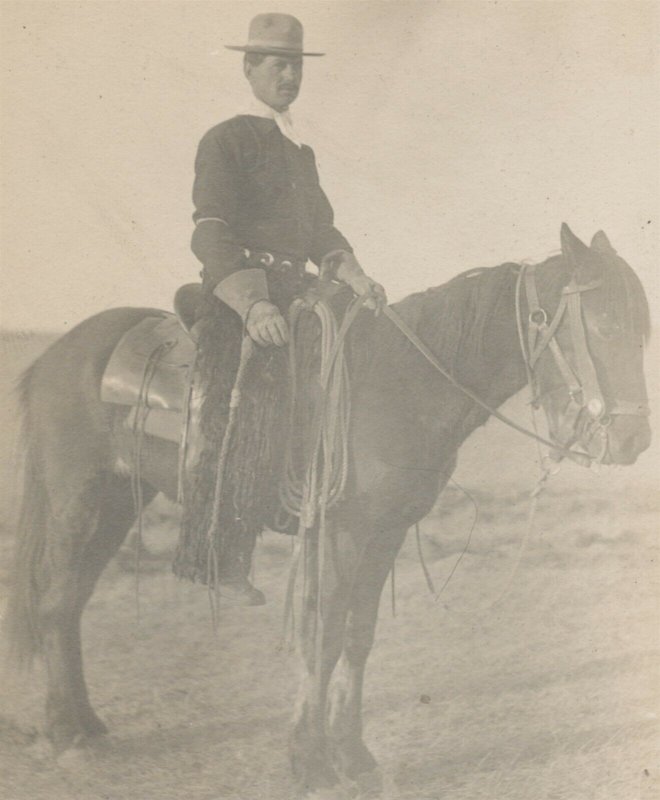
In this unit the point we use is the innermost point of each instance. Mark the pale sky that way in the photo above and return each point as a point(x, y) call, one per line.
point(449, 135)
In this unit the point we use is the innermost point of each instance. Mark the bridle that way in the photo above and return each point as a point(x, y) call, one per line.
point(588, 413)
point(588, 410)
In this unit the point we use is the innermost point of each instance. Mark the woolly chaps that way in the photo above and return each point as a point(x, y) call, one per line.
point(249, 496)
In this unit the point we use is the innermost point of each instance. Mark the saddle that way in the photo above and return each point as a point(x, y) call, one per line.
point(151, 366)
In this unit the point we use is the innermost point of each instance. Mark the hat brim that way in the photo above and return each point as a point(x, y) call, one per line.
point(270, 51)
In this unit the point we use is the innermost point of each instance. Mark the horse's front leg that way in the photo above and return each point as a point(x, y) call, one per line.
point(351, 756)
point(320, 641)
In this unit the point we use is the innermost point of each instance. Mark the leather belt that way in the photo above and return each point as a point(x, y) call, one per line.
point(275, 263)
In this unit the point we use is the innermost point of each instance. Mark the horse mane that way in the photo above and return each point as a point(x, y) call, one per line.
point(474, 307)
point(453, 318)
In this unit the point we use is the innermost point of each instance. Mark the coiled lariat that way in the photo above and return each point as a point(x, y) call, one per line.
point(308, 490)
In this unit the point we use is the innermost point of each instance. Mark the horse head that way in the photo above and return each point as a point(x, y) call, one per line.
point(587, 360)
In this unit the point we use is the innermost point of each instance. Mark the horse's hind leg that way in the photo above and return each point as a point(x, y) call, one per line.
point(81, 542)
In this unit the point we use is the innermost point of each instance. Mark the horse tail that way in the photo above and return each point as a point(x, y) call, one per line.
point(29, 574)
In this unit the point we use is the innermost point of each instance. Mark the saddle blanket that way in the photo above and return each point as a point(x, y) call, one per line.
point(152, 363)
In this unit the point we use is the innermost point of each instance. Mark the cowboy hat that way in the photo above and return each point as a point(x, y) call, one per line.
point(274, 34)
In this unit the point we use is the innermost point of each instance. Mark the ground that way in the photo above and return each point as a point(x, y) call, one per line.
point(548, 691)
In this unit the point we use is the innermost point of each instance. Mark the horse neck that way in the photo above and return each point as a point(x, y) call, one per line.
point(470, 325)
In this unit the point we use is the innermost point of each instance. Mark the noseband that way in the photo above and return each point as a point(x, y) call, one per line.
point(589, 412)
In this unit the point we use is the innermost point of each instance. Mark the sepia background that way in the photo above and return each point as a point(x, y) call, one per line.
point(449, 135)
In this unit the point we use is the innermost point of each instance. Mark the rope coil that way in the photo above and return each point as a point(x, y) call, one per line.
point(300, 494)
point(308, 495)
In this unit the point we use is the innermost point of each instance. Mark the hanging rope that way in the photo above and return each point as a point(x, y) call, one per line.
point(141, 413)
point(309, 492)
point(213, 558)
point(546, 473)
point(300, 491)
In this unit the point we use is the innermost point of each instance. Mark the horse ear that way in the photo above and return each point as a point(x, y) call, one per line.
point(601, 244)
point(573, 249)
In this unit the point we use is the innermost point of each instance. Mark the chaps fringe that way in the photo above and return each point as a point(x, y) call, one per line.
point(249, 497)
point(250, 494)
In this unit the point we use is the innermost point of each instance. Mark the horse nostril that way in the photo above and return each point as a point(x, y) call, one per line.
point(643, 440)
point(631, 446)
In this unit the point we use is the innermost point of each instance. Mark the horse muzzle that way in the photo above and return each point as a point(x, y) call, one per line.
point(613, 438)
point(616, 439)
point(627, 438)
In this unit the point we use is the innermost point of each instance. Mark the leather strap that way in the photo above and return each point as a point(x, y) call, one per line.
point(580, 379)
point(389, 312)
point(592, 396)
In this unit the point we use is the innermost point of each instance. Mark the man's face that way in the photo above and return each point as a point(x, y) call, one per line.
point(276, 81)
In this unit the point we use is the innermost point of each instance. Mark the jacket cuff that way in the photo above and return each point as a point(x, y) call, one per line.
point(242, 289)
point(214, 245)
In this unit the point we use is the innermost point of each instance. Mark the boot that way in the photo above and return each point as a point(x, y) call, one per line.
point(238, 591)
point(234, 584)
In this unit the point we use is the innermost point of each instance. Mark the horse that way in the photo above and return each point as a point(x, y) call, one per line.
point(490, 329)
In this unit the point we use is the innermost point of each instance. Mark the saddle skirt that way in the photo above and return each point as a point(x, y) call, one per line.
point(151, 364)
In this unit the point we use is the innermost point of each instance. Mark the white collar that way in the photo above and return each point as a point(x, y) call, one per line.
point(282, 119)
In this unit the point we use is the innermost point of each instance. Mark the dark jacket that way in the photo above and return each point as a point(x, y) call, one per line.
point(267, 192)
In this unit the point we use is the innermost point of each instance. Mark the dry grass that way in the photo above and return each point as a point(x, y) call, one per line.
point(552, 694)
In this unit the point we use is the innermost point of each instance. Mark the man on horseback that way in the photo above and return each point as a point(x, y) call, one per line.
point(260, 215)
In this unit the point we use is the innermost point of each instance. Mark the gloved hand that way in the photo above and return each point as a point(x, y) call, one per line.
point(246, 291)
point(265, 325)
point(343, 266)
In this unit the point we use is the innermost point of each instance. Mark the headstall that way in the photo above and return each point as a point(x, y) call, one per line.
point(589, 412)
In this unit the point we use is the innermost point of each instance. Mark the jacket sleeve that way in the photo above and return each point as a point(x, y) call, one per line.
point(215, 197)
point(325, 237)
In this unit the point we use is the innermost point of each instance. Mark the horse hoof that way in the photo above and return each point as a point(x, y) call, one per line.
point(334, 793)
point(74, 759)
point(365, 786)
point(41, 749)
point(94, 727)
point(369, 785)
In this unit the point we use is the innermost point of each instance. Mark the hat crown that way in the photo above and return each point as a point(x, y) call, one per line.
point(275, 34)
point(276, 30)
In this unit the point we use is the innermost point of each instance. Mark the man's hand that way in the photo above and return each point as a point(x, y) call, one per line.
point(349, 271)
point(364, 286)
point(265, 325)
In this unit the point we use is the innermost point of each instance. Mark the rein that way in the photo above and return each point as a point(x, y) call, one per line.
point(428, 355)
point(309, 496)
point(582, 382)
